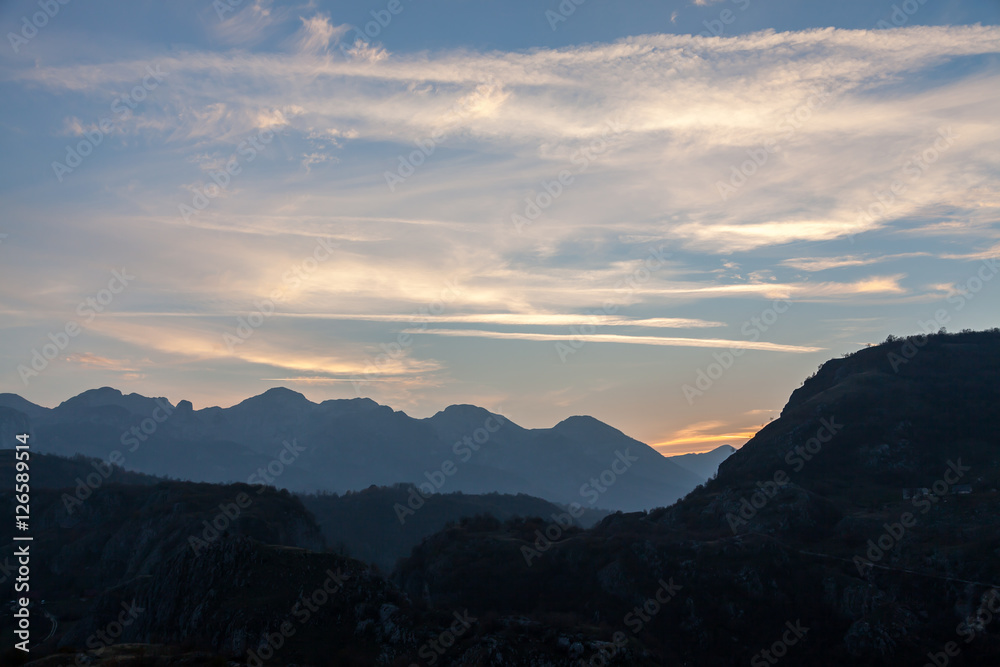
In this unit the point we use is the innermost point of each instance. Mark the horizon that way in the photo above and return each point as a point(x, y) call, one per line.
point(661, 217)
point(174, 402)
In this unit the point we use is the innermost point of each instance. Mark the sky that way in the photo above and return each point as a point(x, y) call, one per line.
point(665, 215)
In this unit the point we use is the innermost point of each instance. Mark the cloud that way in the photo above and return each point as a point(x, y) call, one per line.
point(367, 52)
point(278, 349)
point(617, 338)
point(825, 263)
point(541, 319)
point(992, 252)
point(249, 25)
point(702, 437)
point(104, 363)
point(317, 33)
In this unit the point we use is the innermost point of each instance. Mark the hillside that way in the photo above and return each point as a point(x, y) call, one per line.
point(826, 546)
point(209, 573)
point(380, 525)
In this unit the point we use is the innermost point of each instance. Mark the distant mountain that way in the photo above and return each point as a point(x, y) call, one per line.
point(705, 464)
point(15, 402)
point(377, 526)
point(283, 439)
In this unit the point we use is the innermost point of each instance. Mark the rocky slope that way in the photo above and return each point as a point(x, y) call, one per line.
point(807, 523)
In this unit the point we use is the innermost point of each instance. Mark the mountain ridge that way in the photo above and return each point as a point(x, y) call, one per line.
point(350, 444)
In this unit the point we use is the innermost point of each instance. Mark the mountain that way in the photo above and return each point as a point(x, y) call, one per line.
point(51, 471)
point(15, 402)
point(861, 524)
point(378, 526)
point(281, 438)
point(144, 572)
point(705, 464)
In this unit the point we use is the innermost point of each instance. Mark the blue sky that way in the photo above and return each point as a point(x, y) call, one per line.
point(541, 211)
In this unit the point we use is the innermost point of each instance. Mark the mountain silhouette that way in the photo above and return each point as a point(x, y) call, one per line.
point(705, 464)
point(283, 439)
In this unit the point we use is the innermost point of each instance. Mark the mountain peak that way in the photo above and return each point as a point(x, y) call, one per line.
point(279, 396)
point(23, 405)
point(582, 423)
point(108, 396)
point(463, 410)
point(101, 393)
point(284, 392)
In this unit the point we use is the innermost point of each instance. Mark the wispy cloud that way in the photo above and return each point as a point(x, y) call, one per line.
point(104, 363)
point(824, 263)
point(317, 33)
point(702, 437)
point(617, 338)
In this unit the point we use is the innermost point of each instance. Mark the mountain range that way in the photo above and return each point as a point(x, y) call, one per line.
point(280, 438)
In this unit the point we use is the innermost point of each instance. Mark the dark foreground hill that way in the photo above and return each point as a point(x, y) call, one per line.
point(865, 513)
point(161, 572)
point(380, 525)
point(280, 438)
